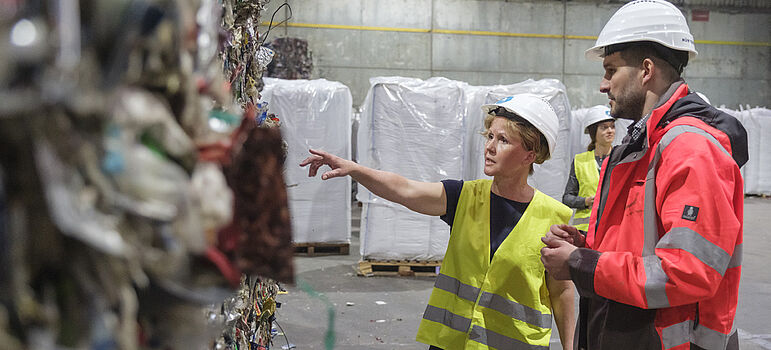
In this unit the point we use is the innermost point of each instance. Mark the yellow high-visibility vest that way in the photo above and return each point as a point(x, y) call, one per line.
point(500, 304)
point(588, 178)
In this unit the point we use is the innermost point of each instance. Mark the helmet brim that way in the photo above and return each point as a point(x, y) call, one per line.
point(597, 52)
point(586, 129)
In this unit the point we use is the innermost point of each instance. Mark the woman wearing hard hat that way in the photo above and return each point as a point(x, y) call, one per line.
point(585, 169)
point(492, 291)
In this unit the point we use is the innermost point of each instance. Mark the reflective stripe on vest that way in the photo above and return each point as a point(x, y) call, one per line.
point(452, 285)
point(585, 166)
point(515, 310)
point(683, 333)
point(500, 341)
point(489, 300)
point(449, 319)
point(678, 237)
point(472, 292)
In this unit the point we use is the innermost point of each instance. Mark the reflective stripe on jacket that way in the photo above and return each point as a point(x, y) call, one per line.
point(665, 235)
point(588, 177)
point(503, 303)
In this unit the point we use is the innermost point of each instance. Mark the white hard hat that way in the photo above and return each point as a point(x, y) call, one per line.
point(535, 110)
point(596, 114)
point(645, 20)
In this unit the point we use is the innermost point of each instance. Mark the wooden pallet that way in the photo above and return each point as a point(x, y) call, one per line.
point(314, 249)
point(398, 268)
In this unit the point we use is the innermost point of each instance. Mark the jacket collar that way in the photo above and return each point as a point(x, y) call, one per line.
point(638, 129)
point(693, 106)
point(676, 91)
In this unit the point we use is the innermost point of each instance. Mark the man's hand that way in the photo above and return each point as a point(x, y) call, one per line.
point(555, 256)
point(589, 201)
point(567, 233)
point(340, 166)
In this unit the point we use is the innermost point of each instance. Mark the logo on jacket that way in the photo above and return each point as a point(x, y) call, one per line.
point(690, 213)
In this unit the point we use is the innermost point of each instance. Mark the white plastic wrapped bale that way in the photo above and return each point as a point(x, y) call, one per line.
point(414, 128)
point(757, 171)
point(314, 114)
point(549, 177)
point(578, 141)
point(759, 121)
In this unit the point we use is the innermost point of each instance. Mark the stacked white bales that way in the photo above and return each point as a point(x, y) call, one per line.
point(314, 114)
point(413, 128)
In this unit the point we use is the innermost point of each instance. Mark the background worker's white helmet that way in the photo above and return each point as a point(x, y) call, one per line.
point(535, 110)
point(645, 20)
point(596, 114)
point(704, 97)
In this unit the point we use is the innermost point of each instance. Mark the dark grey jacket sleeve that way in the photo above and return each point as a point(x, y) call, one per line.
point(582, 264)
point(571, 197)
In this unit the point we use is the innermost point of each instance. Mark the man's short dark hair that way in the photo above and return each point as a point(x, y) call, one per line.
point(635, 52)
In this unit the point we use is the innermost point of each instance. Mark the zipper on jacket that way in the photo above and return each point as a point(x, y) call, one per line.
point(696, 319)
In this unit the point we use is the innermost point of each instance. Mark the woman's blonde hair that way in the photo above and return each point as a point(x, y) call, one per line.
point(532, 139)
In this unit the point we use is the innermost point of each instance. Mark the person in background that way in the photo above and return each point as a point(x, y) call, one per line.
point(492, 290)
point(585, 169)
point(660, 265)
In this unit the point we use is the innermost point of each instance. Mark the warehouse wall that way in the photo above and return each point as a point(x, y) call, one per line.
point(353, 40)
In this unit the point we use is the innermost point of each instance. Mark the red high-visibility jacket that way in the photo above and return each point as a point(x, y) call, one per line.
point(662, 260)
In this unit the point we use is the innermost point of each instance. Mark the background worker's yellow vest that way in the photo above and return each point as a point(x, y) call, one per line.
point(588, 178)
point(500, 304)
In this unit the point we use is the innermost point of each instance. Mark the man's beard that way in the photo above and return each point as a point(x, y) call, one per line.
point(629, 104)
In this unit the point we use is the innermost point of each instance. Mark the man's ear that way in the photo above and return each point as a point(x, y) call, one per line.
point(647, 69)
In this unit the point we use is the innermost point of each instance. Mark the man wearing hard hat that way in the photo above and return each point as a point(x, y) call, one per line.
point(660, 264)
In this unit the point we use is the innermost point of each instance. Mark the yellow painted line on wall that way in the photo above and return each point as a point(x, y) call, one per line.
point(581, 37)
point(486, 33)
point(489, 33)
point(340, 26)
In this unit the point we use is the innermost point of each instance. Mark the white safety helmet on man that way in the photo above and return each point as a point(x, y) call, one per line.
point(596, 115)
point(534, 109)
point(656, 21)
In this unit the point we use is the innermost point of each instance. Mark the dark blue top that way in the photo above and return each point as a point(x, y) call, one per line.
point(504, 213)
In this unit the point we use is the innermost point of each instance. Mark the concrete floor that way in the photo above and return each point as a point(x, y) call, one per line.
point(384, 312)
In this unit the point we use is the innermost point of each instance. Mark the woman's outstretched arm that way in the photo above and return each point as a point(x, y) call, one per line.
point(423, 197)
